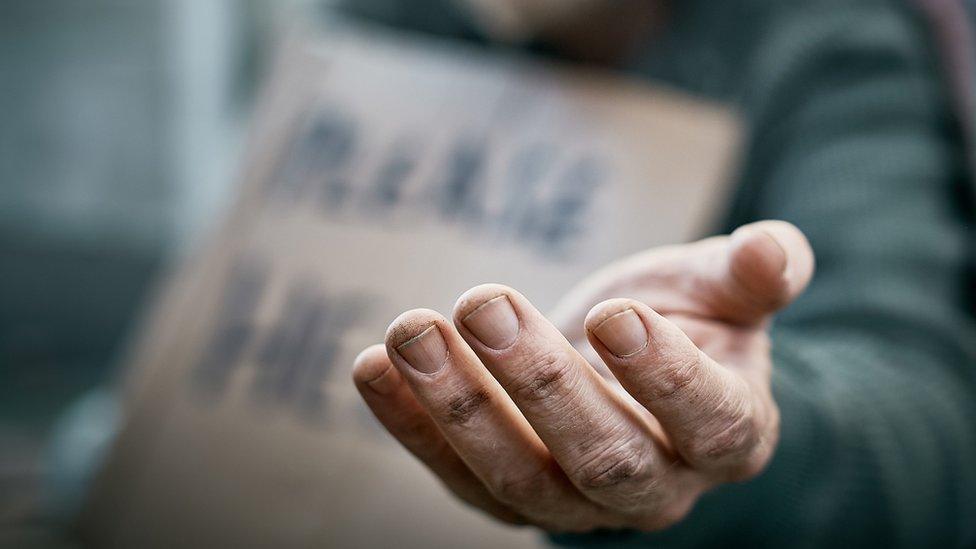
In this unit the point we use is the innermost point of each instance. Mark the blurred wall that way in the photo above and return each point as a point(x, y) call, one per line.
point(120, 123)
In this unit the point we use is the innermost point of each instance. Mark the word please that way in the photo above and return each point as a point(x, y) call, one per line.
point(537, 194)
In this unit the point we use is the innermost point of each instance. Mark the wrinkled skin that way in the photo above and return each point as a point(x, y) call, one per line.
point(536, 420)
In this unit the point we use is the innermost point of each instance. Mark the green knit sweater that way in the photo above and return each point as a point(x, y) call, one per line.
point(852, 139)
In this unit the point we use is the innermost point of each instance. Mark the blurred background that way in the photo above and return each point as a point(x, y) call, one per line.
point(121, 125)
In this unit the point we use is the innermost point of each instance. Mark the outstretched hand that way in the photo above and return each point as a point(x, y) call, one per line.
point(505, 410)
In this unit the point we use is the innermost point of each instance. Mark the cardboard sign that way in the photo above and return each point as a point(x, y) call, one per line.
point(386, 173)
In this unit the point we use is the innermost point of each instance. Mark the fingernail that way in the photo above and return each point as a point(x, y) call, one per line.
point(386, 382)
point(426, 352)
point(379, 375)
point(494, 323)
point(783, 258)
point(623, 334)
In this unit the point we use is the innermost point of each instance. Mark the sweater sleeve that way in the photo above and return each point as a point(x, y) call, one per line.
point(876, 364)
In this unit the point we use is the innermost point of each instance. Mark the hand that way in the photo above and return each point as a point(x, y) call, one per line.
point(514, 420)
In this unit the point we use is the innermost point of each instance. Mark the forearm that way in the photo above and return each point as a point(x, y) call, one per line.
point(876, 442)
point(874, 366)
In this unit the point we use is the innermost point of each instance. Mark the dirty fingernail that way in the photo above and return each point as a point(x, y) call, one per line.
point(494, 323)
point(386, 382)
point(372, 369)
point(426, 352)
point(623, 334)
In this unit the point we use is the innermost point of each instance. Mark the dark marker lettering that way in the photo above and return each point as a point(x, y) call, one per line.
point(321, 150)
point(461, 195)
point(393, 175)
point(234, 326)
point(569, 202)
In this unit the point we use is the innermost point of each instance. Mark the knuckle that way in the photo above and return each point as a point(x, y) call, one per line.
point(461, 408)
point(615, 468)
point(548, 375)
point(675, 376)
point(733, 437)
point(518, 490)
point(762, 452)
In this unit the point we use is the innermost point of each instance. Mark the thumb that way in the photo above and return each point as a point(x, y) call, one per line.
point(767, 265)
